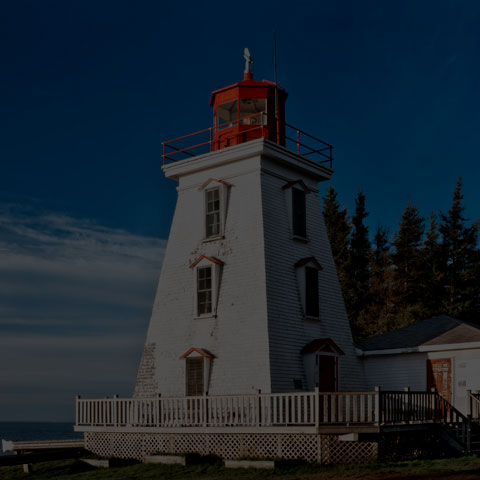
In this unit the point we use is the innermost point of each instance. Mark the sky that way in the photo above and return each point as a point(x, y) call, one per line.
point(89, 90)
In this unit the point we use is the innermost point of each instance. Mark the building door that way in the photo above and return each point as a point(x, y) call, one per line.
point(439, 376)
point(327, 373)
point(327, 382)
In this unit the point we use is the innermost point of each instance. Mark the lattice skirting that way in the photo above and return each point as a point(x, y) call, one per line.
point(310, 447)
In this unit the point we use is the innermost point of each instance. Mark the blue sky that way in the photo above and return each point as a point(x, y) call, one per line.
point(89, 90)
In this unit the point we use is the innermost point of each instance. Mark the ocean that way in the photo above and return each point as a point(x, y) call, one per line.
point(36, 431)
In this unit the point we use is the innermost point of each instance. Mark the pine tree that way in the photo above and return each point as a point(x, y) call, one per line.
point(357, 288)
point(406, 257)
point(338, 230)
point(432, 287)
point(460, 260)
point(377, 316)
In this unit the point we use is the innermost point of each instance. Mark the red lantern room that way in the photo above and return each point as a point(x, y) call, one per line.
point(248, 110)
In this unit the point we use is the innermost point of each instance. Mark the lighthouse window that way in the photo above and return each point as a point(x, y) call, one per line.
point(194, 376)
point(212, 208)
point(307, 272)
point(311, 292)
point(227, 114)
point(299, 219)
point(204, 290)
point(254, 110)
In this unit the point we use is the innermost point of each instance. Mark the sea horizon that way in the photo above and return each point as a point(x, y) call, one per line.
point(36, 430)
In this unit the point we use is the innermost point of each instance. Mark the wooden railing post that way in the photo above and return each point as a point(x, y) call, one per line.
point(204, 409)
point(469, 435)
point(378, 409)
point(436, 409)
point(114, 410)
point(469, 403)
point(408, 405)
point(78, 418)
point(158, 409)
point(317, 406)
point(258, 409)
point(104, 411)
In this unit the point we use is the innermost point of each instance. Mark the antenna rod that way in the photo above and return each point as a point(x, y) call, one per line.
point(275, 82)
point(274, 56)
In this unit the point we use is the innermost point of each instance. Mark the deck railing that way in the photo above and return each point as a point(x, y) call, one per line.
point(276, 409)
point(253, 127)
point(314, 409)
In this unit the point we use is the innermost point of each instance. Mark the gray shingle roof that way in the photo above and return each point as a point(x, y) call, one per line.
point(424, 332)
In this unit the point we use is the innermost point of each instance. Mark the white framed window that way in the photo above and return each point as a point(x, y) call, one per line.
point(311, 292)
point(204, 290)
point(299, 213)
point(307, 271)
point(198, 363)
point(215, 208)
point(194, 373)
point(212, 212)
point(296, 192)
point(207, 272)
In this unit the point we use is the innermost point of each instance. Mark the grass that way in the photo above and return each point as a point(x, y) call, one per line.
point(467, 468)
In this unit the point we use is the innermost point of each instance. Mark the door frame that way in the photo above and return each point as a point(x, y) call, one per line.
point(431, 381)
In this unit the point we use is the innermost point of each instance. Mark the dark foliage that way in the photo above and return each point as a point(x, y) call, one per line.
point(338, 229)
point(415, 275)
point(459, 261)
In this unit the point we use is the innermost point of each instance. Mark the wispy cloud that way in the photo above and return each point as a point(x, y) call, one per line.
point(75, 299)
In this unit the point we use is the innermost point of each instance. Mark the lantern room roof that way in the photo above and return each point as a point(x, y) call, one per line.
point(247, 81)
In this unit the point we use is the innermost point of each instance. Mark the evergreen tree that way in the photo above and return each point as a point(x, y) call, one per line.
point(357, 288)
point(407, 259)
point(432, 288)
point(338, 230)
point(460, 261)
point(377, 316)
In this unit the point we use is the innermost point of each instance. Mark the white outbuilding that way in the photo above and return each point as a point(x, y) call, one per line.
point(441, 352)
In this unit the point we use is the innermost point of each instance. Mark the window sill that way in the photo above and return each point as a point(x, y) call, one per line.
point(213, 239)
point(311, 319)
point(206, 316)
point(298, 238)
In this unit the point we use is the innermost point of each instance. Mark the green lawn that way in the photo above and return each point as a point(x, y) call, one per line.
point(456, 468)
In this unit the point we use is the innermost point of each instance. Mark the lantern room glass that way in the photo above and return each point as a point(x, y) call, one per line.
point(254, 109)
point(227, 114)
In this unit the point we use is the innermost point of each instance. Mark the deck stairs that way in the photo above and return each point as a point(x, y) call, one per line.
point(475, 439)
point(474, 407)
point(460, 431)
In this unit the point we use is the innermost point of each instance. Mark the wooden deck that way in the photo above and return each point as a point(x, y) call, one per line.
point(299, 412)
point(317, 426)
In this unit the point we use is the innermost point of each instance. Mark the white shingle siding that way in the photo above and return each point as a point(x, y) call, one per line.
point(237, 330)
point(395, 372)
point(259, 329)
point(289, 332)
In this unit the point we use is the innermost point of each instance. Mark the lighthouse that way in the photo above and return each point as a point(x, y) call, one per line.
point(249, 352)
point(248, 298)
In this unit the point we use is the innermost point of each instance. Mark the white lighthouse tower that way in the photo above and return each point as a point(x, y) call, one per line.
point(248, 298)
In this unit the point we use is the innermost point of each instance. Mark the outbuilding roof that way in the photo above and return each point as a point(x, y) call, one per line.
point(441, 330)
